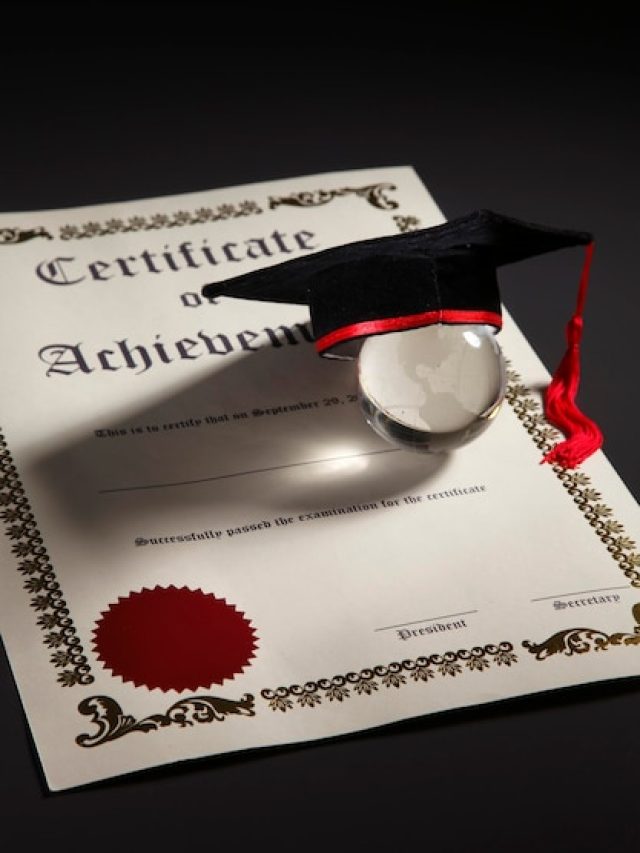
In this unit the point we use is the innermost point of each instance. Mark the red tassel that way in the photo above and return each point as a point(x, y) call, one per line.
point(582, 436)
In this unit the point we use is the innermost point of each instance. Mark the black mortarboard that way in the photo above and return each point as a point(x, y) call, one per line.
point(445, 274)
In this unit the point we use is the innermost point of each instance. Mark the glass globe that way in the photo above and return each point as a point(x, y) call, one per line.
point(431, 389)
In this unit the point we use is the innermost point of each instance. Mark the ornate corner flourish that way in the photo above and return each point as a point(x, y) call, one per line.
point(611, 533)
point(33, 562)
point(11, 236)
point(578, 641)
point(368, 681)
point(113, 724)
point(375, 194)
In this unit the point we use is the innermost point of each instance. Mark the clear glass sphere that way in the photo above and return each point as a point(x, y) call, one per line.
point(431, 389)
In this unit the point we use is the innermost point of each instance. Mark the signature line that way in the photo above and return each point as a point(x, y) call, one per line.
point(582, 592)
point(242, 473)
point(431, 619)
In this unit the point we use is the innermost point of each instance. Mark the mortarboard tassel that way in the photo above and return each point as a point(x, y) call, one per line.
point(582, 436)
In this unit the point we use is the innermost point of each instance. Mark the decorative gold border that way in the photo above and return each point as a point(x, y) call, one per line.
point(113, 724)
point(159, 220)
point(375, 194)
point(368, 681)
point(611, 533)
point(46, 594)
point(578, 641)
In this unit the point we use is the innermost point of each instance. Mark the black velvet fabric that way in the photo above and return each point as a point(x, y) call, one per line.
point(450, 267)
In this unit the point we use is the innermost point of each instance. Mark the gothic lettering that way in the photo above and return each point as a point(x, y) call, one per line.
point(55, 272)
point(70, 270)
point(67, 359)
point(64, 359)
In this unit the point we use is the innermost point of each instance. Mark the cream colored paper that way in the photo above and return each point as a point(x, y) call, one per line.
point(400, 585)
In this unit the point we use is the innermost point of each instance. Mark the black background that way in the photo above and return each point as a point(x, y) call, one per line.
point(533, 113)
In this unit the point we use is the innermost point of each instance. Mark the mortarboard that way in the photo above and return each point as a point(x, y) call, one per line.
point(445, 274)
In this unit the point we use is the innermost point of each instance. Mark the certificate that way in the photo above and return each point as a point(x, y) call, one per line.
point(206, 549)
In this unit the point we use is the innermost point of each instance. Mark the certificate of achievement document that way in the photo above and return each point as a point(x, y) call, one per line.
point(206, 549)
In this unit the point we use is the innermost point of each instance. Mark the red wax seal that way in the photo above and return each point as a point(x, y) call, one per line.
point(174, 639)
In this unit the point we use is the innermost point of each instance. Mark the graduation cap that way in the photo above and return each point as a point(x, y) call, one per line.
point(445, 274)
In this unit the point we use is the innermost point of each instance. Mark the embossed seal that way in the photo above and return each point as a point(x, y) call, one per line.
point(174, 639)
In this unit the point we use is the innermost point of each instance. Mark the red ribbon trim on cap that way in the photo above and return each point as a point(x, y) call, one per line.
point(410, 321)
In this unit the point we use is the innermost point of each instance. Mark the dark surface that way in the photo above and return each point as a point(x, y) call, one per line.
point(535, 116)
